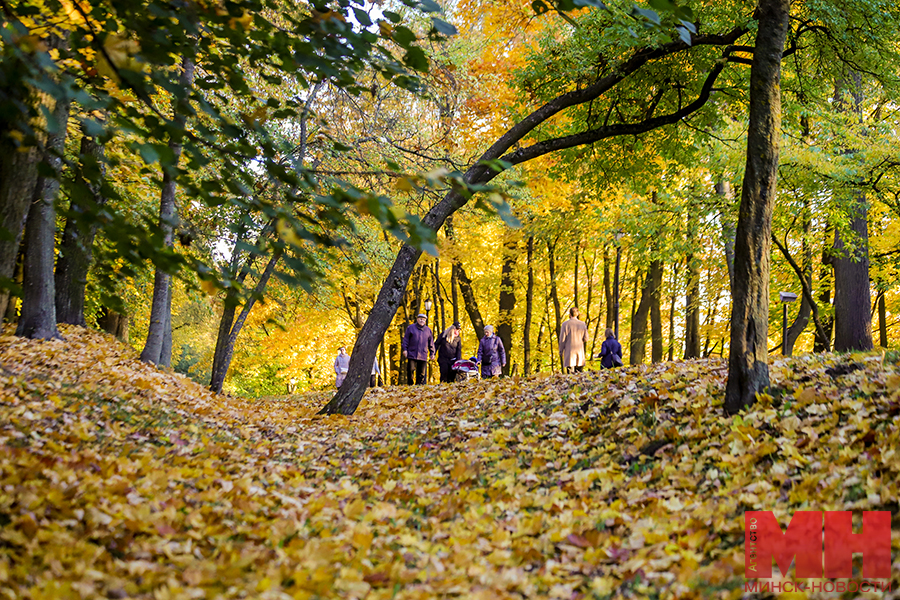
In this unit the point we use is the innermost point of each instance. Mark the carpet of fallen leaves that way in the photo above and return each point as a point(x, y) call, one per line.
point(118, 480)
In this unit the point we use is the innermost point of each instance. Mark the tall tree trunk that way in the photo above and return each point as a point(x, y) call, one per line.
point(692, 309)
point(554, 292)
point(454, 286)
point(656, 332)
point(575, 301)
point(18, 175)
point(723, 189)
point(76, 248)
point(38, 318)
point(507, 300)
point(165, 352)
point(710, 322)
point(161, 281)
point(672, 300)
point(748, 370)
point(589, 274)
point(852, 294)
point(529, 307)
point(541, 328)
point(438, 294)
point(638, 338)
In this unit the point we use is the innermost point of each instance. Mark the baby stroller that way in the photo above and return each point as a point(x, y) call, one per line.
point(466, 369)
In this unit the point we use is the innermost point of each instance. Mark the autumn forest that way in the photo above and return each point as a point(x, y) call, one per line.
point(201, 201)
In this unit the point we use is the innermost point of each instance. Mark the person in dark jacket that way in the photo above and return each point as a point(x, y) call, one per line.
point(611, 351)
point(491, 353)
point(418, 349)
point(449, 350)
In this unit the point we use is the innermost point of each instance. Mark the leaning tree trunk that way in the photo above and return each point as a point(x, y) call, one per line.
point(507, 300)
point(38, 318)
point(469, 301)
point(75, 252)
point(529, 308)
point(348, 397)
point(218, 376)
point(162, 281)
point(748, 369)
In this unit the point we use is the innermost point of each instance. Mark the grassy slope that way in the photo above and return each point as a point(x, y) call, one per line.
point(117, 480)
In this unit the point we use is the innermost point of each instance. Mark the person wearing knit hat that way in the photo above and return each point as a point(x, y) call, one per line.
point(417, 347)
point(491, 354)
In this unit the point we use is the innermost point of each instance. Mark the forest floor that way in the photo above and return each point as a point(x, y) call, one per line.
point(118, 480)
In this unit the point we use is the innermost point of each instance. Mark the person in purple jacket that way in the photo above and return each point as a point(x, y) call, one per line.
point(611, 351)
point(491, 354)
point(418, 349)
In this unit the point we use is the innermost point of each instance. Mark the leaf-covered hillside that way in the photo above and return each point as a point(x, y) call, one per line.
point(117, 480)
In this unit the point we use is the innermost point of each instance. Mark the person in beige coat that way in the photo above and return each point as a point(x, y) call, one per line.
point(573, 337)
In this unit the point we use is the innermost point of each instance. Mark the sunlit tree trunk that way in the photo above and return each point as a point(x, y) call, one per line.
point(529, 307)
point(507, 300)
point(656, 331)
point(554, 292)
point(723, 189)
point(748, 370)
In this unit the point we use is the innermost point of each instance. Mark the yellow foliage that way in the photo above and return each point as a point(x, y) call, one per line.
point(119, 480)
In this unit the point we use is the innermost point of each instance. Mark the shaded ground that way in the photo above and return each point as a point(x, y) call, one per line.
point(117, 480)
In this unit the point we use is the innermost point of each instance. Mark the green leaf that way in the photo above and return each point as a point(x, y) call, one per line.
point(415, 59)
point(689, 26)
point(443, 27)
point(362, 17)
point(539, 7)
point(684, 34)
point(429, 6)
point(650, 15)
point(404, 36)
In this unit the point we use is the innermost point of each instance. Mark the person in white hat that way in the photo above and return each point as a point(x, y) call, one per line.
point(418, 349)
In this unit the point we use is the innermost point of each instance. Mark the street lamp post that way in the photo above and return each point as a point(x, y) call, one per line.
point(785, 298)
point(619, 236)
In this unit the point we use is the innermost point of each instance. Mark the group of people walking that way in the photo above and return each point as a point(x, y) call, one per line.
point(418, 347)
